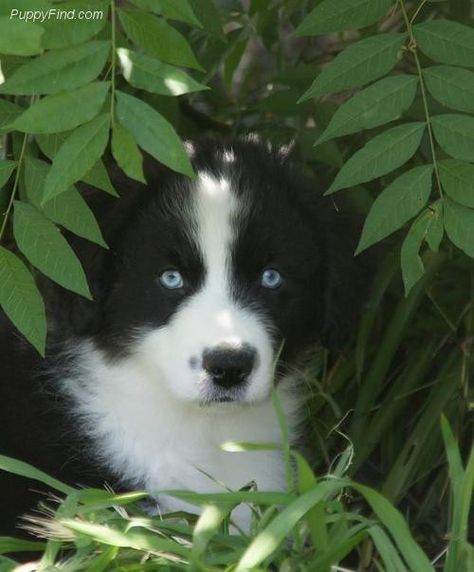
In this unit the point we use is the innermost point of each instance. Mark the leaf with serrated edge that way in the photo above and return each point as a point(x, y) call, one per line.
point(382, 154)
point(446, 42)
point(455, 134)
point(397, 204)
point(153, 133)
point(47, 249)
point(457, 179)
point(148, 73)
point(59, 70)
point(332, 16)
point(459, 225)
point(77, 155)
point(452, 87)
point(63, 111)
point(360, 63)
point(68, 209)
point(381, 102)
point(21, 300)
point(126, 153)
point(6, 169)
point(158, 38)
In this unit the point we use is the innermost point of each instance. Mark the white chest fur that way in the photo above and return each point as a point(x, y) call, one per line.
point(151, 439)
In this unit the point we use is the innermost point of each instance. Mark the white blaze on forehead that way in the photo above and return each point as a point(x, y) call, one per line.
point(215, 206)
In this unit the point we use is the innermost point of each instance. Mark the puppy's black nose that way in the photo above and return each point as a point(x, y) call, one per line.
point(229, 367)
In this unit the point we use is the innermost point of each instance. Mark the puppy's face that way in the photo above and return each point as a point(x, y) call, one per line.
point(219, 278)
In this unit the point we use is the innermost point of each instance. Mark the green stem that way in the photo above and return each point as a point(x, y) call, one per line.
point(113, 62)
point(413, 50)
point(6, 215)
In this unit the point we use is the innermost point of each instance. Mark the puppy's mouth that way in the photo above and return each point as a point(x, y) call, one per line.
point(217, 396)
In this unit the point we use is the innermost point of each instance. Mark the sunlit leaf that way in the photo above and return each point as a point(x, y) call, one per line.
point(144, 72)
point(157, 38)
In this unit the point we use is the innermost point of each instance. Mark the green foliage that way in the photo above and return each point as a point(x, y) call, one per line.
point(385, 117)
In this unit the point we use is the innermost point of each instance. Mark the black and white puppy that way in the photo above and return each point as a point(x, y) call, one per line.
point(212, 289)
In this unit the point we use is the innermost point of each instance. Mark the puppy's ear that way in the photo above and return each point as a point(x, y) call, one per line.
point(347, 278)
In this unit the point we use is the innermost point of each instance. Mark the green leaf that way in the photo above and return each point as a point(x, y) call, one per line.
point(268, 540)
point(50, 143)
point(209, 16)
point(381, 102)
point(8, 113)
point(21, 300)
point(179, 10)
point(457, 179)
point(397, 204)
point(63, 111)
point(380, 155)
point(28, 471)
point(46, 248)
point(77, 155)
point(99, 178)
point(61, 32)
point(156, 37)
point(68, 209)
point(435, 232)
point(411, 263)
point(20, 38)
point(147, 73)
point(126, 153)
point(339, 15)
point(455, 134)
point(446, 42)
point(459, 225)
point(6, 169)
point(59, 70)
point(360, 63)
point(153, 133)
point(398, 528)
point(452, 87)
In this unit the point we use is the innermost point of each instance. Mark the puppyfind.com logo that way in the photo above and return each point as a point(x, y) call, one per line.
point(55, 14)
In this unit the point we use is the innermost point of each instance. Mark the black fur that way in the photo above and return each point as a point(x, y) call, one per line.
point(291, 227)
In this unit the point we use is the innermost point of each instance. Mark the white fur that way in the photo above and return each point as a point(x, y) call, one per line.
point(144, 411)
point(153, 439)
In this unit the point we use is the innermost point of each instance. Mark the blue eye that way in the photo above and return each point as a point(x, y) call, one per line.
point(271, 279)
point(171, 279)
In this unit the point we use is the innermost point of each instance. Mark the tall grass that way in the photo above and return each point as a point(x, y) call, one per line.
point(386, 479)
